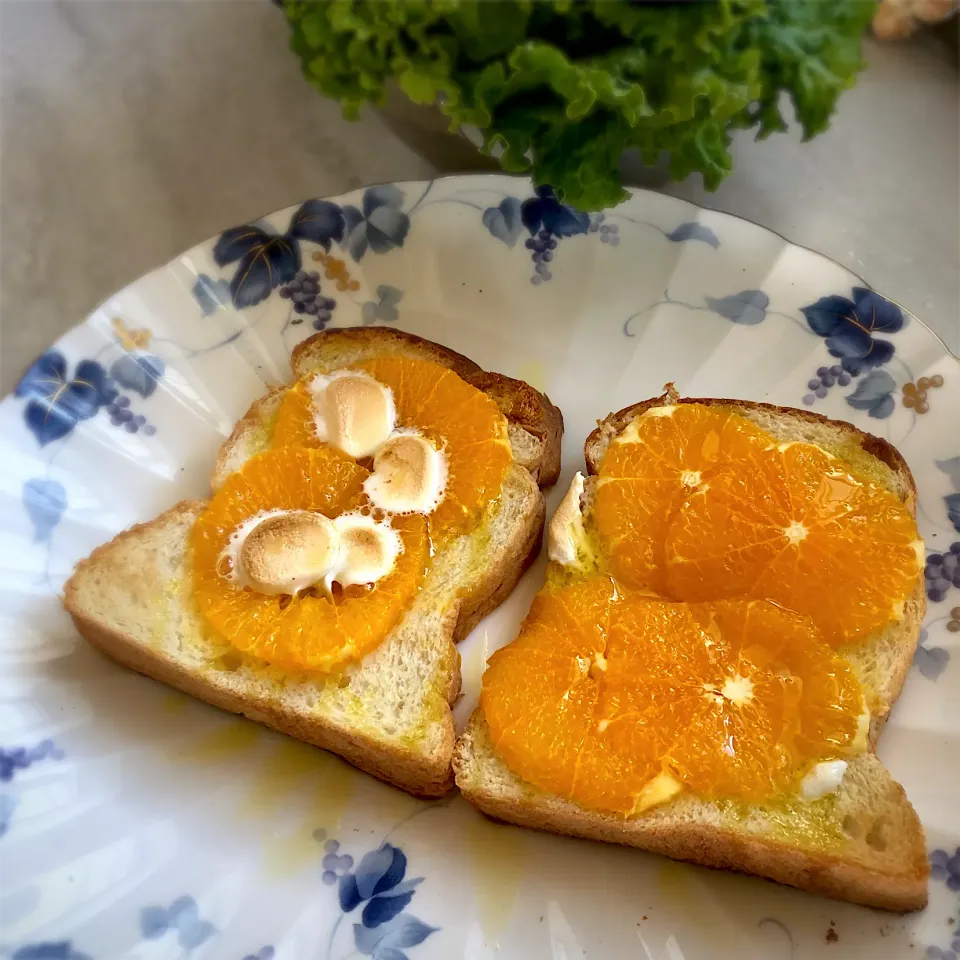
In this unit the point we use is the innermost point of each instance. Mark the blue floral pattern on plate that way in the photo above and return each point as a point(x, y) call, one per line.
point(379, 885)
point(57, 401)
point(717, 313)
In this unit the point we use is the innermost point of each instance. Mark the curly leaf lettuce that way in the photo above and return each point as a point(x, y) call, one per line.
point(560, 88)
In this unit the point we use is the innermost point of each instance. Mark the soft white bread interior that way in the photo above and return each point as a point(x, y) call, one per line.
point(863, 843)
point(389, 714)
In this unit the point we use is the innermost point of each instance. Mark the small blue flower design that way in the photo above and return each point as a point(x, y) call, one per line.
point(380, 226)
point(379, 886)
point(210, 294)
point(264, 953)
point(17, 759)
point(57, 402)
point(549, 221)
point(138, 371)
point(265, 259)
point(849, 326)
point(874, 394)
point(13, 759)
point(545, 211)
point(49, 950)
point(930, 661)
point(694, 231)
point(182, 916)
point(503, 221)
point(44, 501)
point(748, 307)
point(387, 942)
point(384, 308)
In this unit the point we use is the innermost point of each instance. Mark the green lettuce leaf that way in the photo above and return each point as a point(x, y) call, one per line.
point(560, 88)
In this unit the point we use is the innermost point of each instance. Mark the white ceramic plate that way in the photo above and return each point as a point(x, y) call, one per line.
point(138, 823)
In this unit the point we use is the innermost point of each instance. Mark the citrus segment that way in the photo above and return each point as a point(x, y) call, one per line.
point(797, 529)
point(309, 631)
point(539, 694)
point(734, 699)
point(461, 421)
point(661, 458)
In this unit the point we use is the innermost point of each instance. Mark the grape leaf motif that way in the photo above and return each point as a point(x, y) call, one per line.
point(748, 307)
point(546, 211)
point(503, 221)
point(384, 308)
point(210, 294)
point(379, 884)
point(930, 661)
point(849, 325)
point(266, 259)
point(694, 231)
point(380, 226)
point(874, 394)
point(55, 401)
point(138, 371)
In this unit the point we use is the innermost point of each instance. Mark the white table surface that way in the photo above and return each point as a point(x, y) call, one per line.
point(130, 131)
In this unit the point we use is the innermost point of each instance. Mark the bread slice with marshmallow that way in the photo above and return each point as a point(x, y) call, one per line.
point(390, 713)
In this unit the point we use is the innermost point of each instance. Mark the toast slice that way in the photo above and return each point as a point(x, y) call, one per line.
point(534, 424)
point(389, 714)
point(862, 843)
point(883, 661)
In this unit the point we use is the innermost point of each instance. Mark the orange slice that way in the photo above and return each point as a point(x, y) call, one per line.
point(459, 419)
point(307, 632)
point(698, 503)
point(602, 694)
point(794, 527)
point(650, 469)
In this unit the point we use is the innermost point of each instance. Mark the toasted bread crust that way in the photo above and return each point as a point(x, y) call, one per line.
point(721, 849)
point(531, 410)
point(523, 406)
point(385, 339)
point(706, 844)
point(884, 451)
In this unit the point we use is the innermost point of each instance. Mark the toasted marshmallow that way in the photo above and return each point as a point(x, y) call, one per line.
point(409, 475)
point(287, 552)
point(368, 550)
point(566, 536)
point(352, 412)
point(824, 778)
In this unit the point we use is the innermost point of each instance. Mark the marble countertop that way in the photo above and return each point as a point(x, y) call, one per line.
point(131, 131)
